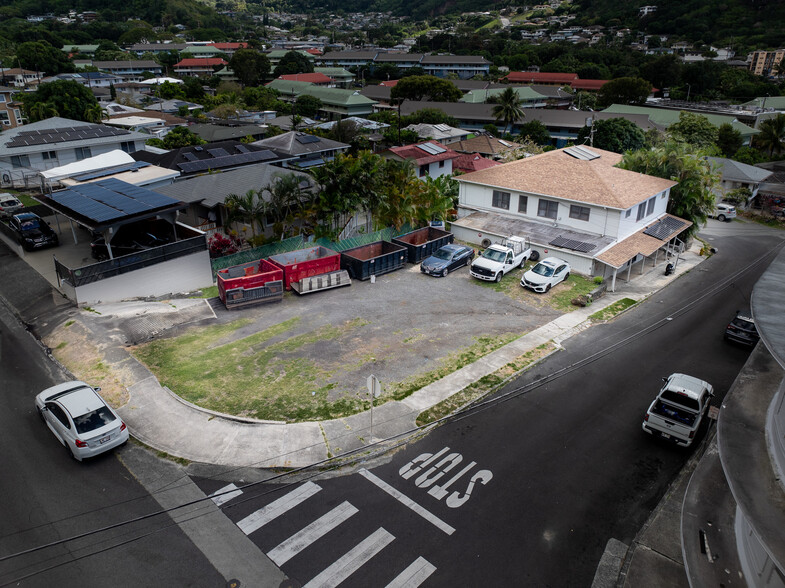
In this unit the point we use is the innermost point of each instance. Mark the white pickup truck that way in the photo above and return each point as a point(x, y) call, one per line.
point(500, 258)
point(679, 409)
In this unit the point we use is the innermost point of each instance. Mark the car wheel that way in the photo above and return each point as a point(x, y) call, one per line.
point(547, 288)
point(445, 271)
point(721, 218)
point(523, 262)
point(567, 275)
point(40, 414)
point(498, 278)
point(71, 453)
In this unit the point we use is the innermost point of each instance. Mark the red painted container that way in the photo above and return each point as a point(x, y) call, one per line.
point(305, 263)
point(244, 282)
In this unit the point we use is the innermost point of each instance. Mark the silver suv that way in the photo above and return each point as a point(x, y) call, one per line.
point(724, 212)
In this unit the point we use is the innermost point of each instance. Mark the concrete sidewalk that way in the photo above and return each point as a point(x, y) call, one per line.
point(162, 420)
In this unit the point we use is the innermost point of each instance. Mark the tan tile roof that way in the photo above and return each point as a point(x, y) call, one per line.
point(558, 174)
point(484, 144)
point(637, 243)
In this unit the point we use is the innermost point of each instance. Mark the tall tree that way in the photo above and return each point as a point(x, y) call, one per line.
point(249, 207)
point(624, 91)
point(250, 66)
point(729, 140)
point(614, 134)
point(421, 87)
point(694, 129)
point(41, 56)
point(772, 135)
point(293, 62)
point(68, 98)
point(508, 108)
point(692, 198)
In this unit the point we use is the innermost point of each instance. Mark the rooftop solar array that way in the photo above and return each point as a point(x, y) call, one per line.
point(432, 148)
point(665, 228)
point(111, 171)
point(242, 148)
point(190, 157)
point(110, 199)
point(62, 135)
point(581, 152)
point(442, 127)
point(219, 162)
point(219, 152)
point(564, 243)
point(305, 138)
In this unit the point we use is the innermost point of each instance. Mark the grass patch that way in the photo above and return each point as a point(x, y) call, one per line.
point(572, 287)
point(611, 311)
point(256, 376)
point(61, 345)
point(208, 292)
point(26, 200)
point(69, 323)
point(484, 385)
point(451, 363)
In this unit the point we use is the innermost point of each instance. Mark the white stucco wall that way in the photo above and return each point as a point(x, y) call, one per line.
point(183, 274)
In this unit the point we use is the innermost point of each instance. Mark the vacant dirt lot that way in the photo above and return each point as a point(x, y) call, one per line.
point(308, 357)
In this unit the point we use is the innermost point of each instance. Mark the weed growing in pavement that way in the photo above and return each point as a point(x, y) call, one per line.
point(69, 323)
point(208, 292)
point(90, 309)
point(611, 311)
point(484, 385)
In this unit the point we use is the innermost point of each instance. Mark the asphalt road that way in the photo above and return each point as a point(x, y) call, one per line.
point(528, 491)
point(46, 496)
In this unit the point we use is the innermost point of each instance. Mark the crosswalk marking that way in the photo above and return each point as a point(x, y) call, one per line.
point(405, 500)
point(278, 507)
point(319, 528)
point(225, 494)
point(414, 575)
point(346, 565)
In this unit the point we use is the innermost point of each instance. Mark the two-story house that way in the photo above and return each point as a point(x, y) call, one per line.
point(10, 110)
point(53, 142)
point(429, 158)
point(572, 203)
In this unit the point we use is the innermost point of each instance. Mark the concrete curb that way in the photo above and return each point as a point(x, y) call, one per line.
point(220, 415)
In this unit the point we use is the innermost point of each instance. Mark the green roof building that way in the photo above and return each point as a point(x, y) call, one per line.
point(528, 97)
point(337, 103)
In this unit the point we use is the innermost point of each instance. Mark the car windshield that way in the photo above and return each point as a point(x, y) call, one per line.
point(29, 225)
point(91, 421)
point(543, 270)
point(740, 323)
point(494, 255)
point(444, 254)
point(7, 203)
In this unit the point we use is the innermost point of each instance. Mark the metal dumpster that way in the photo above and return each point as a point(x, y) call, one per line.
point(373, 259)
point(306, 263)
point(423, 242)
point(250, 283)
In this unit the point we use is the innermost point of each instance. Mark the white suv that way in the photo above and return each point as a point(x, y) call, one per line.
point(724, 212)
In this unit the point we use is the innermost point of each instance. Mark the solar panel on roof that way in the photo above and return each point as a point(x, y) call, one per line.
point(219, 162)
point(574, 244)
point(442, 127)
point(428, 148)
point(242, 148)
point(219, 152)
point(190, 157)
point(665, 228)
point(581, 152)
point(305, 138)
point(111, 170)
point(64, 134)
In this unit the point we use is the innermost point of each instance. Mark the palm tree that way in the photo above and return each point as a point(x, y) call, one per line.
point(286, 196)
point(94, 113)
point(772, 134)
point(249, 208)
point(42, 110)
point(508, 108)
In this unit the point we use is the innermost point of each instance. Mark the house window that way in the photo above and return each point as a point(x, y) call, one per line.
point(423, 170)
point(628, 213)
point(579, 212)
point(548, 209)
point(128, 146)
point(641, 211)
point(82, 153)
point(49, 155)
point(523, 203)
point(4, 119)
point(652, 202)
point(501, 200)
point(2, 98)
point(441, 163)
point(20, 161)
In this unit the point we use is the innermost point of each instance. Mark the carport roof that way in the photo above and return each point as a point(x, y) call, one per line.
point(108, 202)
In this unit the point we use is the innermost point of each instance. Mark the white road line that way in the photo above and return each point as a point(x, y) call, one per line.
point(406, 501)
point(414, 575)
point(278, 507)
point(226, 494)
point(346, 565)
point(317, 529)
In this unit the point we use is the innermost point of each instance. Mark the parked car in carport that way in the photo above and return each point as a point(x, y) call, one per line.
point(132, 239)
point(32, 231)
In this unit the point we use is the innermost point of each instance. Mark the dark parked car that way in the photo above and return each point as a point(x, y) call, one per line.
point(132, 239)
point(32, 232)
point(742, 330)
point(446, 259)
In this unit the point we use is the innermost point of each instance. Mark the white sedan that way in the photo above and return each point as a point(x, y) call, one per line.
point(549, 272)
point(80, 419)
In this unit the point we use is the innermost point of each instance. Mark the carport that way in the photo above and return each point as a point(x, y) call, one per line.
point(660, 235)
point(106, 205)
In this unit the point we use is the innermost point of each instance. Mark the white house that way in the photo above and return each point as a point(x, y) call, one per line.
point(429, 158)
point(53, 142)
point(737, 175)
point(572, 203)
